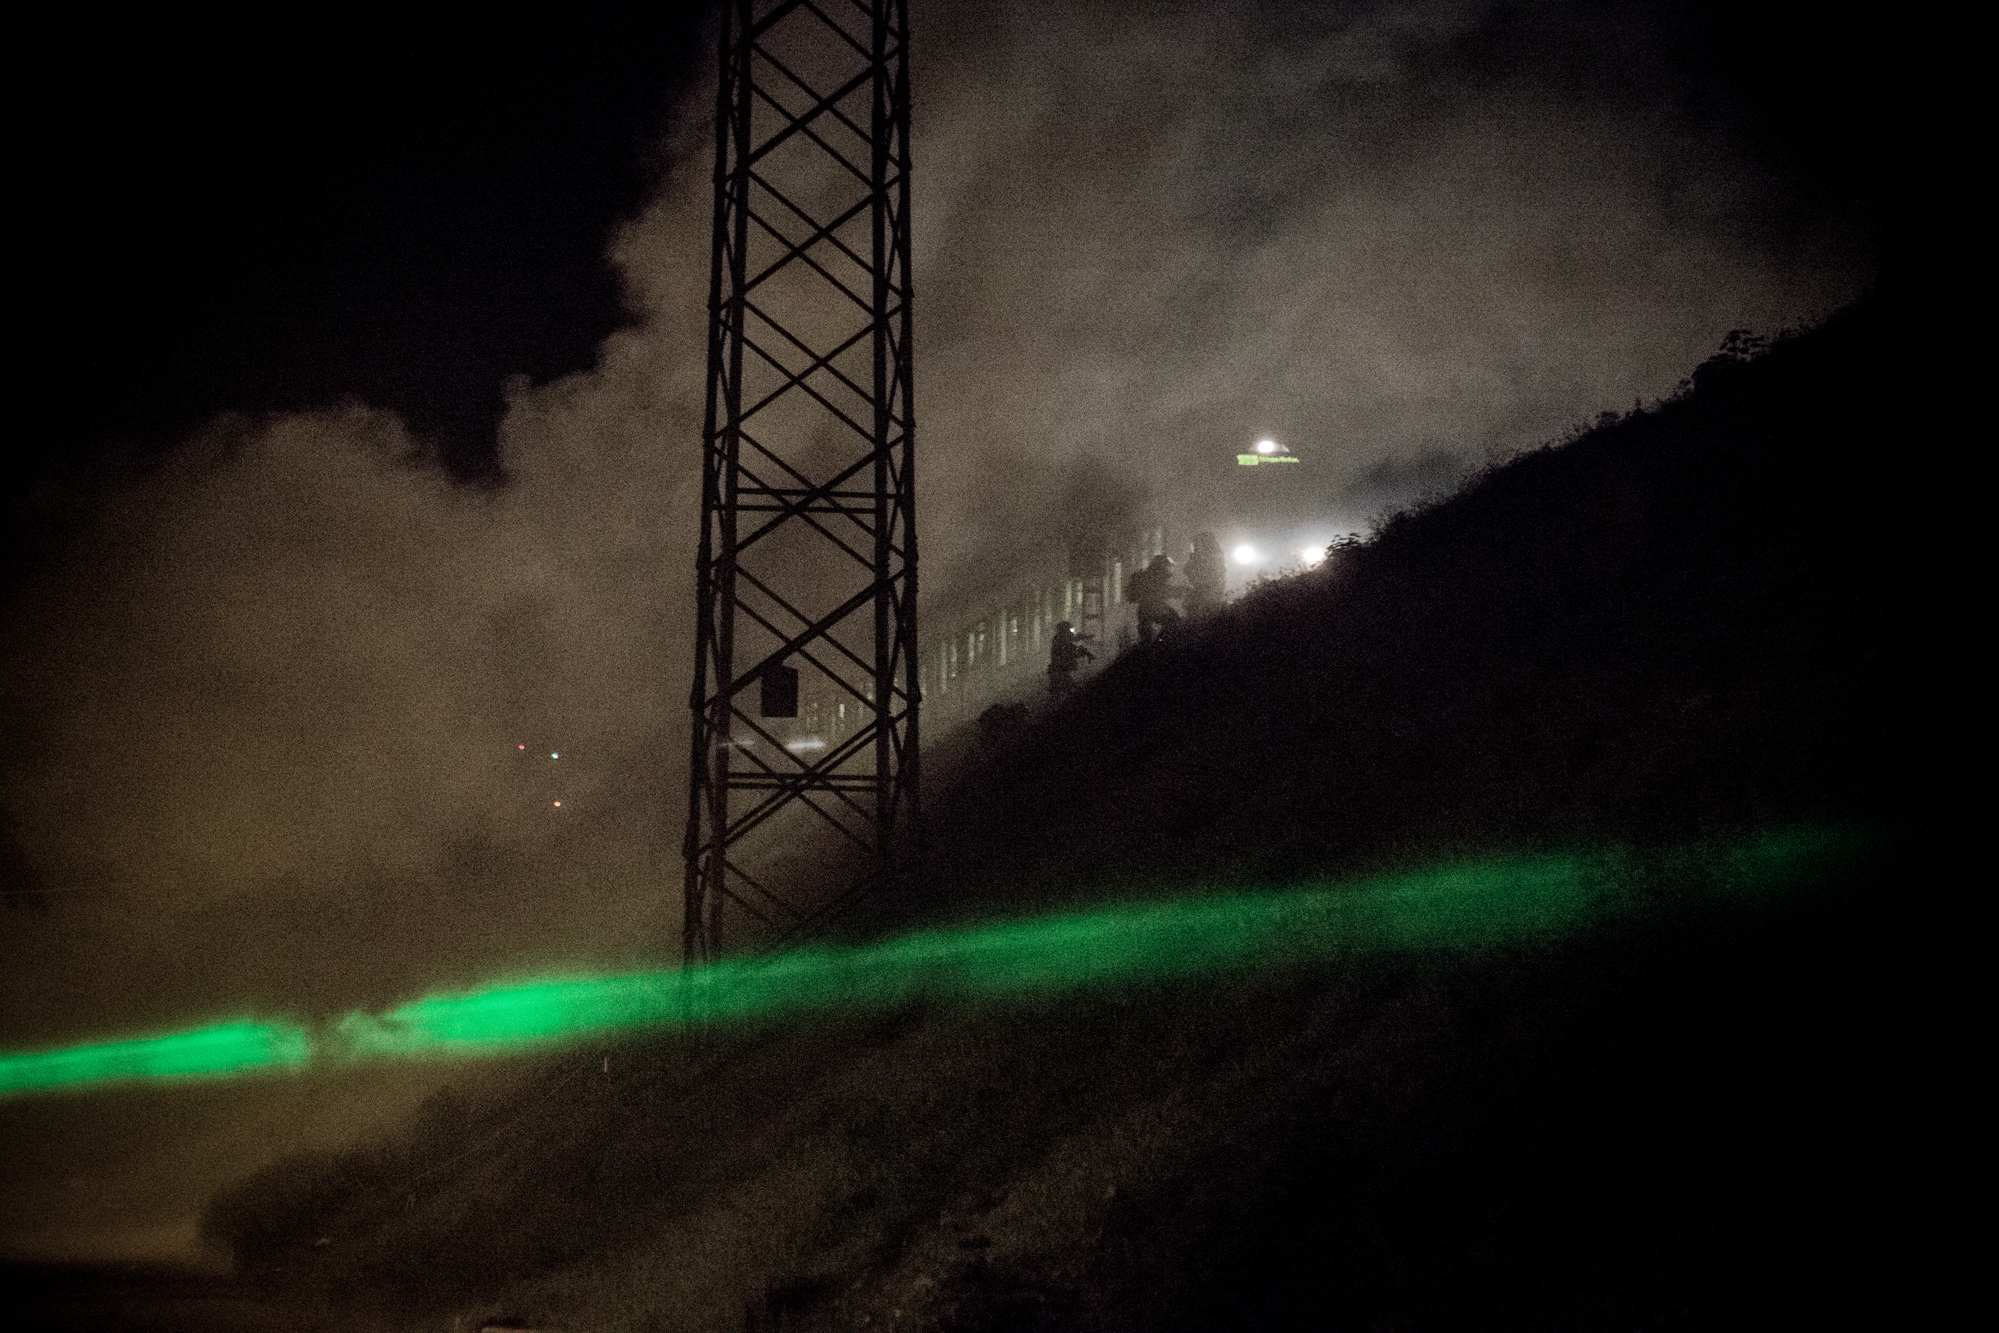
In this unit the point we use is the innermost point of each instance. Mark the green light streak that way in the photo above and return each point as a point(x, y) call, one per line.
point(219, 1050)
point(1487, 903)
point(1467, 906)
point(503, 1017)
point(1472, 905)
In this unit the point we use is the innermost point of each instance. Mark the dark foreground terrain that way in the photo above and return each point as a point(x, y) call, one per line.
point(66, 1298)
point(1665, 1127)
point(1679, 628)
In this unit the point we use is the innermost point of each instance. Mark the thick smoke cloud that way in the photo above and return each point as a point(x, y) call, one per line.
point(291, 675)
point(264, 708)
point(264, 703)
point(1152, 241)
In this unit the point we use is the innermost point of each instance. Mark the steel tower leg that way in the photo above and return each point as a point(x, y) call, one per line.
point(807, 555)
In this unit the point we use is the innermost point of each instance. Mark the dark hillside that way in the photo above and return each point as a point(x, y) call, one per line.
point(1694, 618)
point(1686, 624)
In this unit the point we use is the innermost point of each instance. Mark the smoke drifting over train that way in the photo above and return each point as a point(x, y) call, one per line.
point(265, 704)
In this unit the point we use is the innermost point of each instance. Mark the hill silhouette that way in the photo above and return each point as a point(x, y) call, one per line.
point(1678, 626)
point(1694, 617)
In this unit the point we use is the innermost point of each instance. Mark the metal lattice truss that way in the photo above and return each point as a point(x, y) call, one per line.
point(808, 543)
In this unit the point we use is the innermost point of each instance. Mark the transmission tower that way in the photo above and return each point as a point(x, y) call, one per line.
point(807, 565)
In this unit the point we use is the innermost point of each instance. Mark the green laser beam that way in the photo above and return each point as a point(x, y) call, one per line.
point(1495, 902)
point(1484, 903)
point(220, 1049)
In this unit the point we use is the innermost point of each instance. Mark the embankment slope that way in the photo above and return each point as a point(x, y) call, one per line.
point(1682, 626)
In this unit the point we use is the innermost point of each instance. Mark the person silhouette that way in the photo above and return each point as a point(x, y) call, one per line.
point(1152, 588)
point(1207, 575)
point(1066, 653)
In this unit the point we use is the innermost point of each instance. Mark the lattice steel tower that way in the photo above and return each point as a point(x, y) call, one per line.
point(807, 565)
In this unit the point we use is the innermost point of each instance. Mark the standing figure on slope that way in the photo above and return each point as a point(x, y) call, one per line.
point(1207, 575)
point(1065, 654)
point(1152, 588)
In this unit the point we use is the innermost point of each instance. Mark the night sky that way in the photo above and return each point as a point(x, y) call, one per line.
point(362, 391)
point(402, 208)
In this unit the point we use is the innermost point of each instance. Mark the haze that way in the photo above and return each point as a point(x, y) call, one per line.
point(266, 698)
